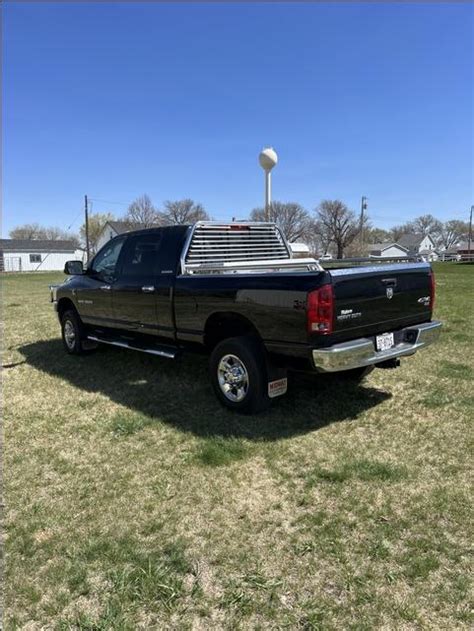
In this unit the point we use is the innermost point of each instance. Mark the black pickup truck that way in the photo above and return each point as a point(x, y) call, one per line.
point(235, 292)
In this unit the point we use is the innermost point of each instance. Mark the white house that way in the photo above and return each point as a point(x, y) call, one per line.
point(387, 250)
point(113, 229)
point(37, 255)
point(419, 244)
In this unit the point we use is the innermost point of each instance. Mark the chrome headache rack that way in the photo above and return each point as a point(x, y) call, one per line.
point(244, 247)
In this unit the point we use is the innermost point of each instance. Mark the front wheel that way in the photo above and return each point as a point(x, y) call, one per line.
point(72, 333)
point(239, 376)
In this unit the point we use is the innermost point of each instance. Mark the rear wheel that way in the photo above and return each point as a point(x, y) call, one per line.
point(72, 333)
point(239, 376)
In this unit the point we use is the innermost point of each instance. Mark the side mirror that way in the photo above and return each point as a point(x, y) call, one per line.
point(73, 268)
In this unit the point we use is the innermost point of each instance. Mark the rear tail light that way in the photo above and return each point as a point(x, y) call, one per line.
point(432, 289)
point(320, 310)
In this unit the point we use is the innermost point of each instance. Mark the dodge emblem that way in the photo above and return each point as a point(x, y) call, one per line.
point(389, 293)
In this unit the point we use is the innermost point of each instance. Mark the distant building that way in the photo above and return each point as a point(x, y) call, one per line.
point(463, 251)
point(420, 244)
point(299, 250)
point(451, 254)
point(417, 243)
point(429, 255)
point(32, 255)
point(114, 228)
point(458, 252)
point(387, 250)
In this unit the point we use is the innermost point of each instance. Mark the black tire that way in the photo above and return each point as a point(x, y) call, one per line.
point(72, 331)
point(250, 354)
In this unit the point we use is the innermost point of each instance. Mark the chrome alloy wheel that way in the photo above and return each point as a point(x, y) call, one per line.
point(69, 334)
point(233, 378)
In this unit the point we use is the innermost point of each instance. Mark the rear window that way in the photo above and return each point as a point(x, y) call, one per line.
point(141, 255)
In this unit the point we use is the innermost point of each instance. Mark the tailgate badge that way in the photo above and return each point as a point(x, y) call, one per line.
point(389, 291)
point(425, 301)
point(347, 314)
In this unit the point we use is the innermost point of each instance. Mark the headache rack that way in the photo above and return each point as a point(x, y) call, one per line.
point(217, 248)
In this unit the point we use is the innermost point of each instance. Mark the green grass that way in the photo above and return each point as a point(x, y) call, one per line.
point(134, 501)
point(216, 452)
point(367, 470)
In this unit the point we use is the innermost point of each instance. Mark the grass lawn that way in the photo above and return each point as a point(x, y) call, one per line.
point(134, 501)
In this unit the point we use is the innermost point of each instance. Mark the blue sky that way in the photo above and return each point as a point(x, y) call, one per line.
point(176, 100)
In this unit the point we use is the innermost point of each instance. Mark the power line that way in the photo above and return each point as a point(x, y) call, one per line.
point(79, 214)
point(107, 201)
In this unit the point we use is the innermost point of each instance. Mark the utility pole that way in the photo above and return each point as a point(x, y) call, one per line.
point(470, 235)
point(363, 207)
point(86, 213)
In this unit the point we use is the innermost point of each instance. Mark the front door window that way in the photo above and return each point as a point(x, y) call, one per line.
point(104, 263)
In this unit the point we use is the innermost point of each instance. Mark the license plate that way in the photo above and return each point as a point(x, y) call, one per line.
point(384, 342)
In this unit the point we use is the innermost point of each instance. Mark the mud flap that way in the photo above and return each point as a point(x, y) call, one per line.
point(277, 380)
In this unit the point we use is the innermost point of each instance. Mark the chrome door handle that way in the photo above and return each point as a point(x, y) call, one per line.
point(148, 289)
point(105, 287)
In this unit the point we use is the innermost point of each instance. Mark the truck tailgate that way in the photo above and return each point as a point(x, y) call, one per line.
point(375, 299)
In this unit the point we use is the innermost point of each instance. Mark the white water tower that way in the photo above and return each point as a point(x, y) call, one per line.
point(268, 158)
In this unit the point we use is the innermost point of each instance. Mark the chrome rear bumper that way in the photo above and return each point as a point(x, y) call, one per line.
point(361, 352)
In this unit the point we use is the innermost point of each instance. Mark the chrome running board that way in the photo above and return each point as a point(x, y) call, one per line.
point(165, 351)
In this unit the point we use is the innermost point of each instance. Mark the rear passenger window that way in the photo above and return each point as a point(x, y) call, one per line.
point(141, 255)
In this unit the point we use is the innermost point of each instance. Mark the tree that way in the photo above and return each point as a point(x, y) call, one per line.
point(317, 238)
point(426, 224)
point(377, 235)
point(142, 212)
point(292, 219)
point(398, 231)
point(97, 222)
point(27, 231)
point(183, 211)
point(452, 232)
point(50, 233)
point(339, 223)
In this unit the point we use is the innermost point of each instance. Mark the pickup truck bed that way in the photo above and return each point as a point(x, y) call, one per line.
point(235, 292)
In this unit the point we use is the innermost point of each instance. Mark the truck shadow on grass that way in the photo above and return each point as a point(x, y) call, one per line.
point(179, 393)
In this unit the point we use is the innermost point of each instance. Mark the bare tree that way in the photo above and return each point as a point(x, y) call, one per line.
point(338, 222)
point(96, 222)
point(426, 224)
point(292, 219)
point(55, 234)
point(398, 231)
point(316, 239)
point(27, 231)
point(142, 212)
point(184, 211)
point(377, 235)
point(50, 233)
point(452, 232)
